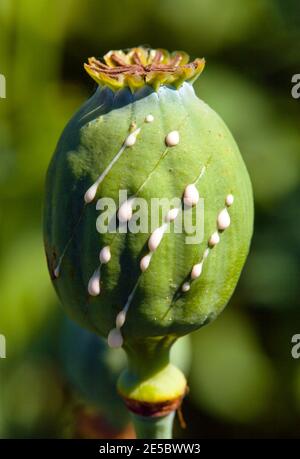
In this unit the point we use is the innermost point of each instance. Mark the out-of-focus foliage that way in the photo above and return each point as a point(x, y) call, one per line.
point(269, 141)
point(231, 376)
point(244, 381)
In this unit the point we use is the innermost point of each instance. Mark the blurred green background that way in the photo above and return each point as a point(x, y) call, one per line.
point(243, 380)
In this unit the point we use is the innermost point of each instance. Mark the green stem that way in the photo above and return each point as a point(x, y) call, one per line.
point(151, 385)
point(149, 356)
point(153, 427)
point(150, 378)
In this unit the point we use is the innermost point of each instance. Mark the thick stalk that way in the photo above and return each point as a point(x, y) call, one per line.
point(151, 387)
point(150, 379)
point(153, 427)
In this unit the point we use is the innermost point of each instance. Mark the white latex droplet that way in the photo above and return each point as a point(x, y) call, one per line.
point(149, 118)
point(196, 271)
point(172, 139)
point(94, 284)
point(172, 215)
point(131, 139)
point(91, 193)
point(145, 262)
point(223, 220)
point(125, 211)
point(229, 200)
point(191, 195)
point(120, 319)
point(156, 237)
point(115, 338)
point(214, 239)
point(105, 255)
point(186, 287)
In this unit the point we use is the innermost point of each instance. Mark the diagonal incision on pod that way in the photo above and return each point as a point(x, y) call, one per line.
point(223, 222)
point(153, 243)
point(124, 212)
point(56, 270)
point(91, 192)
point(171, 140)
point(115, 338)
point(128, 142)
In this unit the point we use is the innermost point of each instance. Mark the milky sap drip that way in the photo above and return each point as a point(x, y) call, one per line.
point(115, 338)
point(128, 142)
point(172, 139)
point(94, 283)
point(223, 222)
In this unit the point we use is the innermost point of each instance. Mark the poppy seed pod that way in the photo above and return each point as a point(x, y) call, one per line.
point(145, 132)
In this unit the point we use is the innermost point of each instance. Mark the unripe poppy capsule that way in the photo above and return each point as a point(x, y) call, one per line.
point(145, 132)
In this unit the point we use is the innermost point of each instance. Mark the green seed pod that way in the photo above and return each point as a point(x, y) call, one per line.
point(146, 133)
